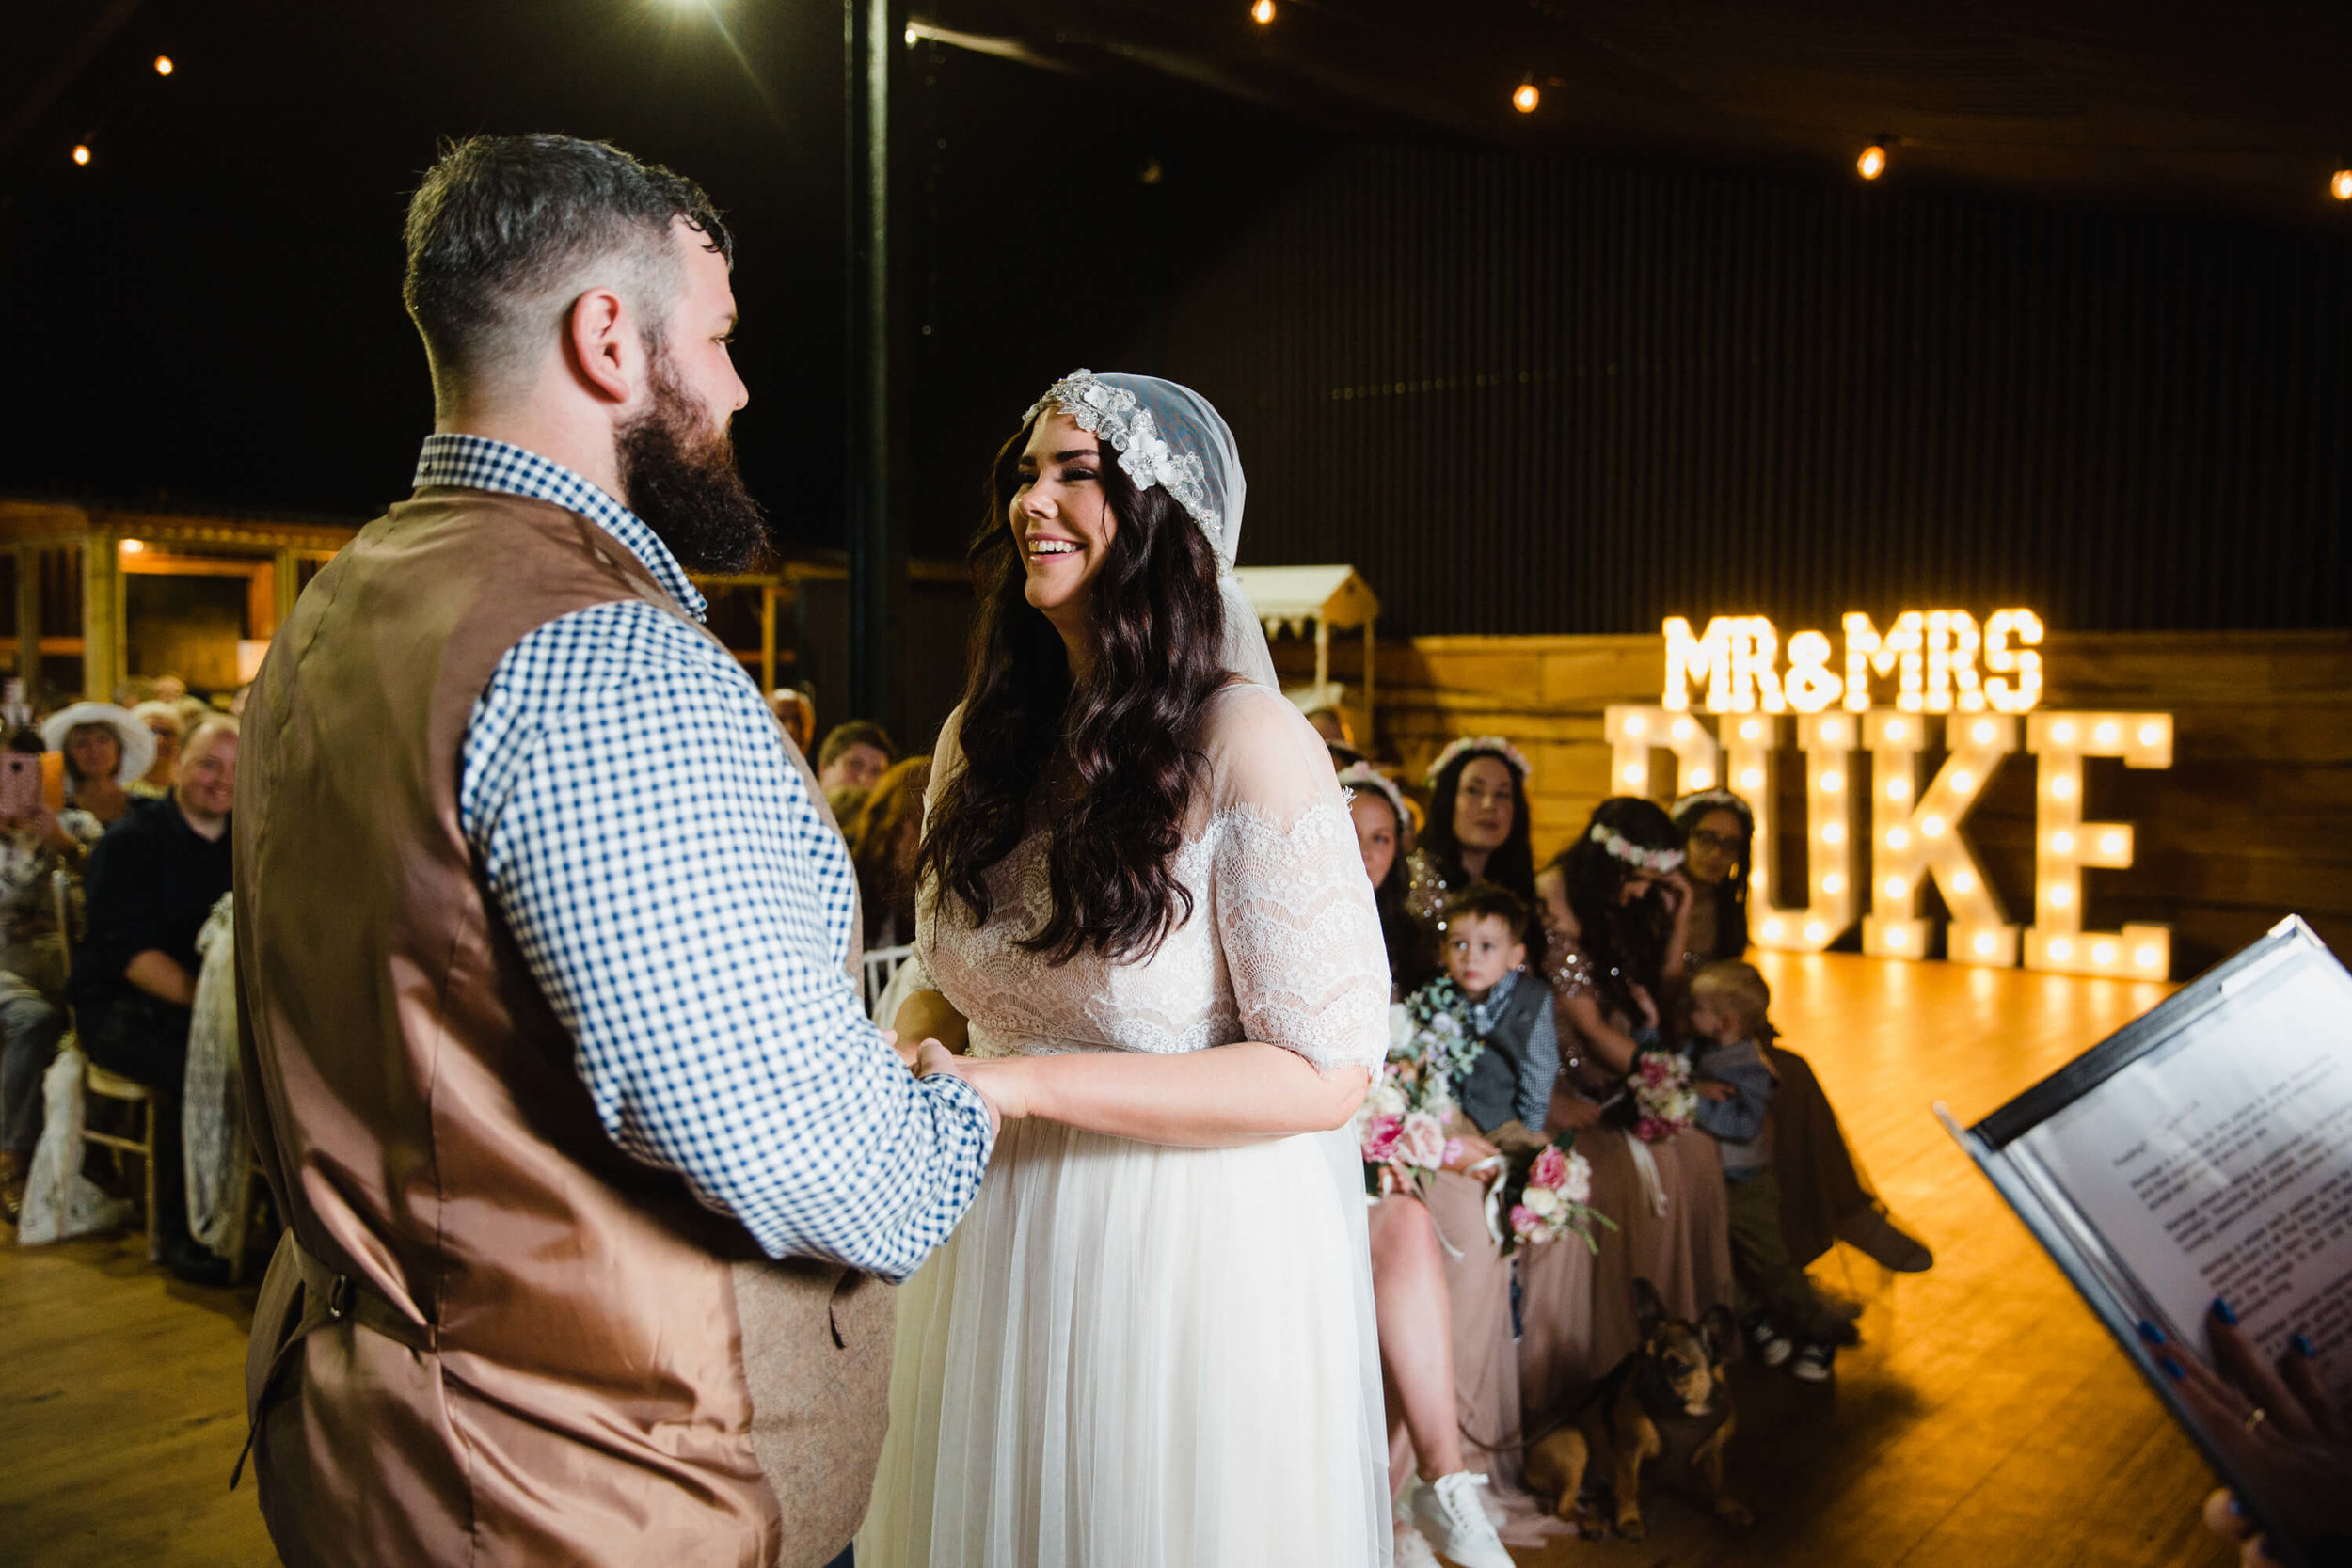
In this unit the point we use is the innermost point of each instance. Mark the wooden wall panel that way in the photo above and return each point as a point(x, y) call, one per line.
point(2253, 821)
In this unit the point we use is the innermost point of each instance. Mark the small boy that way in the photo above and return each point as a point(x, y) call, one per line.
point(1507, 1092)
point(1734, 1081)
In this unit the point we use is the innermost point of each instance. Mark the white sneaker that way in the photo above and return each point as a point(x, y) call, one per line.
point(1813, 1363)
point(1447, 1512)
point(1771, 1345)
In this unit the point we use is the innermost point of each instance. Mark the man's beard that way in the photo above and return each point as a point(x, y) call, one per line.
point(678, 473)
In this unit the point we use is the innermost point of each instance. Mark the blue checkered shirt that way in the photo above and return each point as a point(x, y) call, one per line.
point(686, 911)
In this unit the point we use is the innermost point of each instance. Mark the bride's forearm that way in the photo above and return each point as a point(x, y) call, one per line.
point(1230, 1095)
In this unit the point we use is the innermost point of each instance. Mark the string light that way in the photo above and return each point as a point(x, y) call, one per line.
point(1262, 13)
point(2340, 187)
point(163, 65)
point(1523, 98)
point(81, 154)
point(1873, 162)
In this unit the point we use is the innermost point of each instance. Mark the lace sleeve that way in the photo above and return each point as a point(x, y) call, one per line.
point(1294, 911)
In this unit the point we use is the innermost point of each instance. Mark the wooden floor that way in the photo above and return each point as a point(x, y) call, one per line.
point(1987, 1421)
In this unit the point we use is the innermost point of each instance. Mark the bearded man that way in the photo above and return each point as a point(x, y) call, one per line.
point(543, 942)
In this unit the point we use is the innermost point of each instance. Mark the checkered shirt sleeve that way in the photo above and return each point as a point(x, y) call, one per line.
point(686, 911)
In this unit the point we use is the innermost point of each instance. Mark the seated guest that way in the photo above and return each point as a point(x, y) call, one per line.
point(1507, 1092)
point(1823, 1193)
point(795, 715)
point(152, 880)
point(34, 846)
point(105, 751)
point(883, 838)
point(164, 721)
point(1479, 826)
point(1377, 808)
point(1730, 1009)
point(854, 758)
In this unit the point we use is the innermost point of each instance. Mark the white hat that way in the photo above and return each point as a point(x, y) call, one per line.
point(138, 742)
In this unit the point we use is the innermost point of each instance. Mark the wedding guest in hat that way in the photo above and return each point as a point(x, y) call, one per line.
point(106, 750)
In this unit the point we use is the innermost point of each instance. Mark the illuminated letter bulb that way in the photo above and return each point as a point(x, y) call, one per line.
point(2147, 956)
point(1752, 778)
point(1897, 887)
point(1933, 827)
point(1898, 839)
point(2111, 845)
point(2063, 788)
point(1832, 884)
point(1897, 789)
point(2340, 187)
point(2151, 733)
point(2060, 896)
point(1814, 932)
point(1897, 732)
point(1964, 882)
point(1702, 778)
point(1963, 780)
point(1526, 98)
point(2061, 949)
point(1873, 162)
point(1983, 733)
point(1682, 729)
point(2062, 843)
point(2104, 954)
point(1833, 832)
point(1636, 724)
point(1832, 782)
point(2106, 734)
point(1834, 733)
point(1751, 731)
point(2062, 734)
point(1772, 931)
point(1985, 944)
point(1634, 777)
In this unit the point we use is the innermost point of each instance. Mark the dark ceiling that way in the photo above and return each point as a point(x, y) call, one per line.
point(211, 306)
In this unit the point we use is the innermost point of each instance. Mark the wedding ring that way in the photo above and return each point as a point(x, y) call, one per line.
point(2257, 1418)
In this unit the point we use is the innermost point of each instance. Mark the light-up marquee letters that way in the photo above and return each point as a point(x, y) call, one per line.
point(1954, 680)
point(1941, 661)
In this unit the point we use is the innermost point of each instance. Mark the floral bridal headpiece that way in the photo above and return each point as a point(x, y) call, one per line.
point(1118, 416)
point(1491, 745)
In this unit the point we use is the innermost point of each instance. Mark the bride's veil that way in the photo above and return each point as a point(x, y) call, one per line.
point(1171, 436)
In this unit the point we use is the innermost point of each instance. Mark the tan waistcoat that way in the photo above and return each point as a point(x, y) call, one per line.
point(491, 1338)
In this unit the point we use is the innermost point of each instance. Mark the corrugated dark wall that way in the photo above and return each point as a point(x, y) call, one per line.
point(1532, 397)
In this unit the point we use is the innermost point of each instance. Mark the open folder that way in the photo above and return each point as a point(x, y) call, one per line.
point(2204, 1150)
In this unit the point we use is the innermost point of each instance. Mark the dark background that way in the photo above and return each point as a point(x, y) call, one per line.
point(1653, 350)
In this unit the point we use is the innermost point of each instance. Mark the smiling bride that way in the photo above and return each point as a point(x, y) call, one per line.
point(1150, 1341)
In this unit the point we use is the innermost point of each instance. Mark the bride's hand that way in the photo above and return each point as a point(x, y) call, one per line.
point(999, 1090)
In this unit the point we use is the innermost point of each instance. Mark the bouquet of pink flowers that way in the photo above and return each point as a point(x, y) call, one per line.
point(1663, 1104)
point(1400, 1126)
point(1544, 1199)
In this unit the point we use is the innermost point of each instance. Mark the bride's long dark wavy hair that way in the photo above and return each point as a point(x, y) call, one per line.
point(1128, 734)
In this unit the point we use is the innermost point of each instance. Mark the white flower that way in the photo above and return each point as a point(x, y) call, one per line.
point(1579, 1187)
point(1386, 1099)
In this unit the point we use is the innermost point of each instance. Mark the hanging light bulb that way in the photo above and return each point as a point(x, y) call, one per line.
point(2340, 187)
point(1525, 98)
point(163, 65)
point(1262, 13)
point(81, 154)
point(1873, 161)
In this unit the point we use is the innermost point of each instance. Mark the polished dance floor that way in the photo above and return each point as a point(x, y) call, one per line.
point(1987, 1421)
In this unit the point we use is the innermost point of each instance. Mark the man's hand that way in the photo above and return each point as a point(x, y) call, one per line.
point(929, 1057)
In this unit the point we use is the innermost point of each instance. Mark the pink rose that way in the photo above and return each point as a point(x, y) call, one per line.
point(1550, 1168)
point(1523, 1221)
point(1423, 1141)
point(1380, 1139)
point(1652, 1069)
point(1651, 1131)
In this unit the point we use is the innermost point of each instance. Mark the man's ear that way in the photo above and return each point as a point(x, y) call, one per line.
point(601, 344)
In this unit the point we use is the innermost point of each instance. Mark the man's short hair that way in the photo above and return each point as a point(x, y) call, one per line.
point(506, 231)
point(208, 730)
point(857, 731)
point(1484, 898)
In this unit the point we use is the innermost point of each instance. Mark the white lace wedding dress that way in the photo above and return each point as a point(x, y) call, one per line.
point(1132, 1356)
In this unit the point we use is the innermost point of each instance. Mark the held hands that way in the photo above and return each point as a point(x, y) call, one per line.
point(998, 1090)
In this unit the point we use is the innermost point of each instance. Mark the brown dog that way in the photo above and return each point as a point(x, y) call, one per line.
point(1668, 1402)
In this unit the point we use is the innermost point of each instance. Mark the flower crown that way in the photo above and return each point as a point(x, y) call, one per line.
point(1118, 416)
point(1710, 799)
point(1362, 775)
point(1494, 745)
point(1654, 863)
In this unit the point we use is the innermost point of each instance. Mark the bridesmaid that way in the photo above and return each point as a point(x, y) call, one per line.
point(1440, 1287)
point(1825, 1195)
point(1478, 827)
point(1614, 902)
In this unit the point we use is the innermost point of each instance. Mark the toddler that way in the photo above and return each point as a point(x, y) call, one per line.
point(1734, 1081)
point(1507, 1091)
